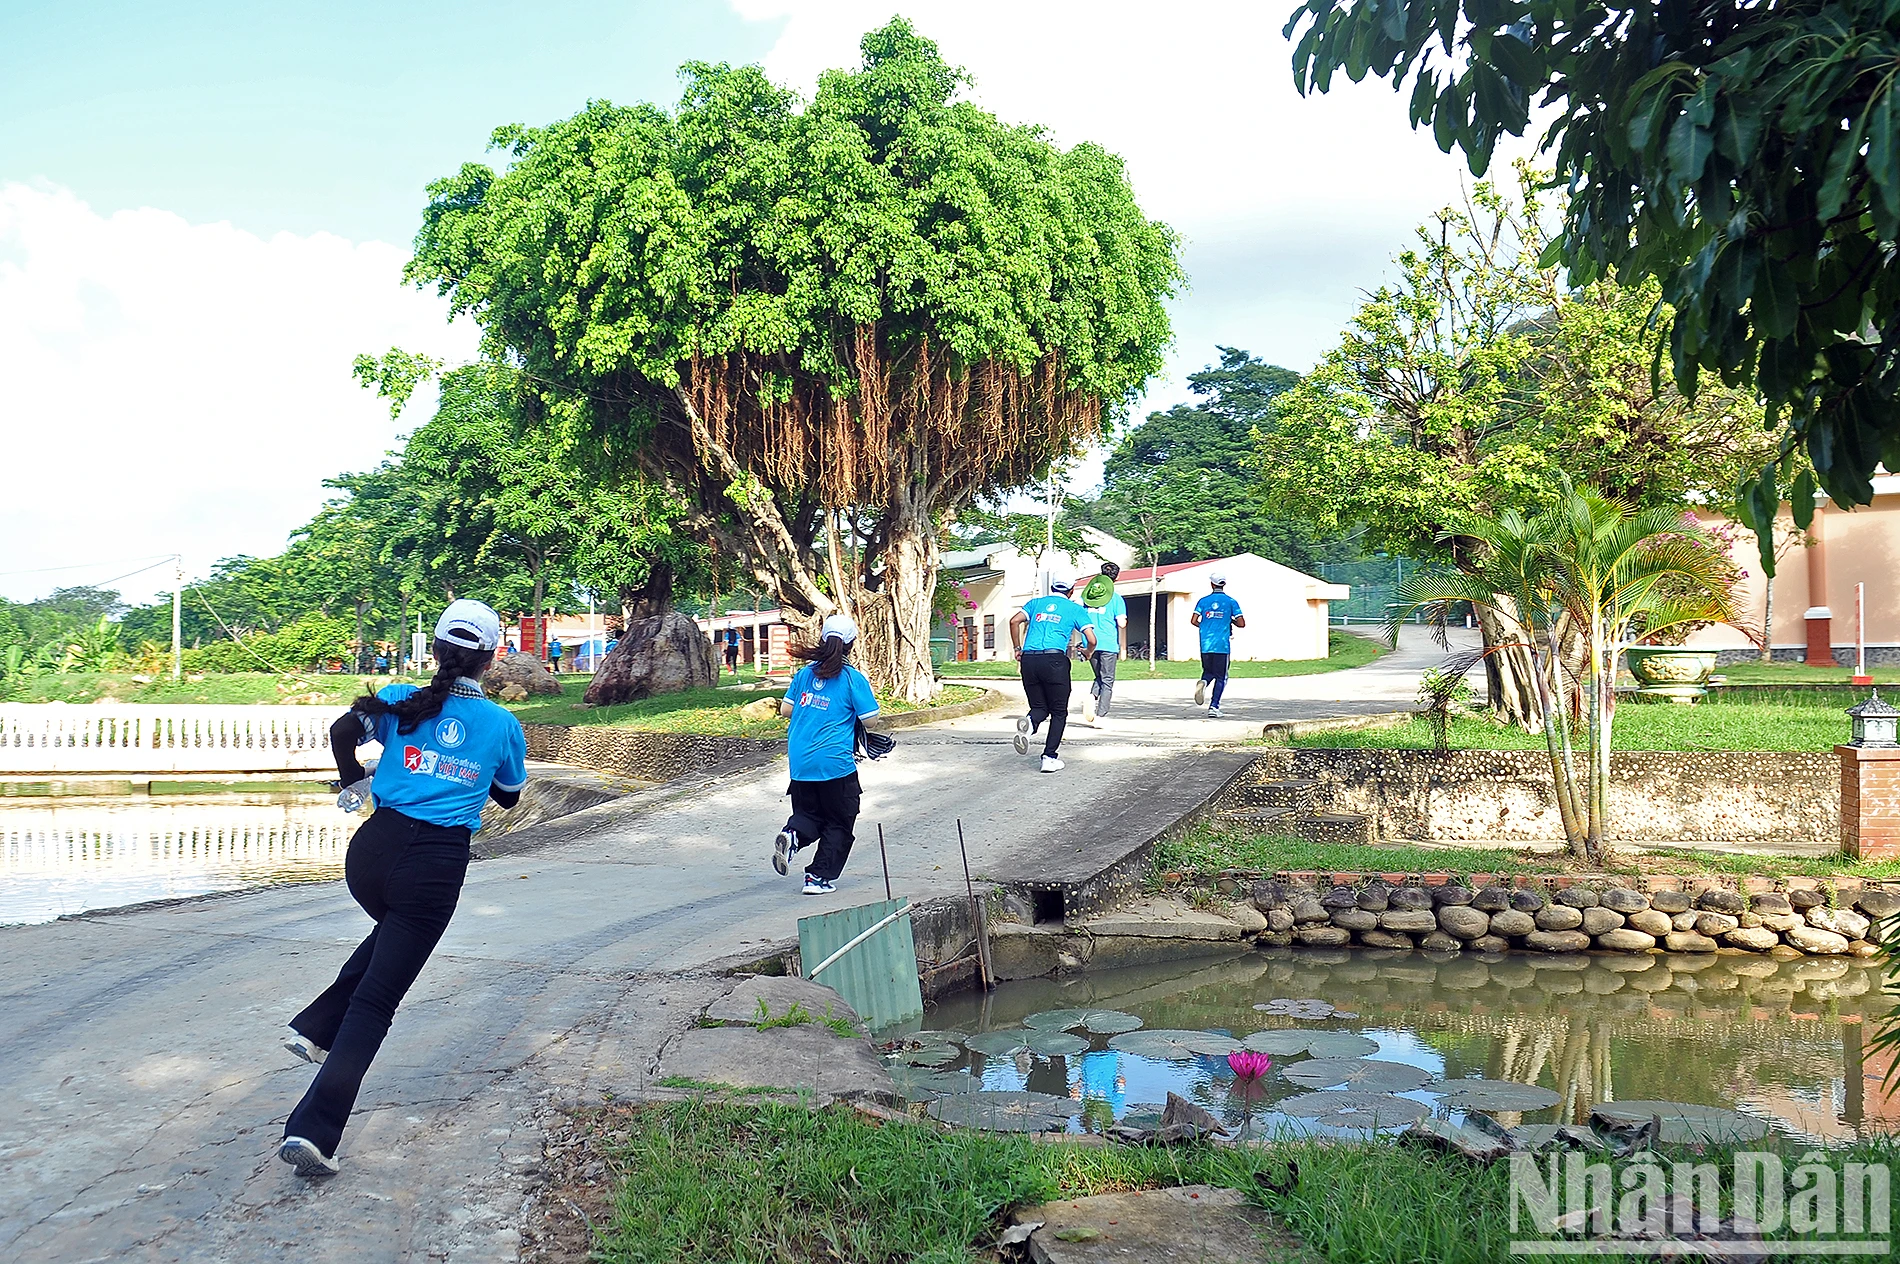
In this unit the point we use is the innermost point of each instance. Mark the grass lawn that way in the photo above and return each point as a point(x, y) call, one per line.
point(1205, 850)
point(1346, 649)
point(700, 1181)
point(1708, 725)
point(232, 688)
point(1800, 674)
point(710, 711)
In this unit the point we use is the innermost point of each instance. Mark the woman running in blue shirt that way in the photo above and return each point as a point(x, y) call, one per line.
point(446, 750)
point(826, 700)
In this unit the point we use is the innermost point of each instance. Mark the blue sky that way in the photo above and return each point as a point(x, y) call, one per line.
point(205, 209)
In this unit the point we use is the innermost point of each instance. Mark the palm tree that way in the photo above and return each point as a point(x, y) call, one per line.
point(1576, 584)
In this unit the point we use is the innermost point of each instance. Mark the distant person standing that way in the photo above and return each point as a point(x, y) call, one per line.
point(1108, 615)
point(732, 650)
point(825, 701)
point(1041, 631)
point(554, 655)
point(1216, 615)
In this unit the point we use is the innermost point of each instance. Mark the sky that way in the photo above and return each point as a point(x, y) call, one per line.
point(205, 209)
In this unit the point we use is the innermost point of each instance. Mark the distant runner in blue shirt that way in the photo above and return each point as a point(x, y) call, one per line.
point(825, 701)
point(446, 750)
point(1110, 622)
point(1042, 630)
point(1216, 615)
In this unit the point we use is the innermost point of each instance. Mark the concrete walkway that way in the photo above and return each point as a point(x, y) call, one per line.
point(145, 1090)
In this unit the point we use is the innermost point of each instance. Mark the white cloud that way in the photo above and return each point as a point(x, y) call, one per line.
point(167, 386)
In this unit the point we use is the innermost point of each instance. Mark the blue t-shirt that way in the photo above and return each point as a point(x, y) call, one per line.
point(823, 736)
point(1108, 634)
point(1053, 622)
point(440, 772)
point(1217, 611)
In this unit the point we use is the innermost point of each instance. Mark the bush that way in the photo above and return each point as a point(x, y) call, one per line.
point(300, 646)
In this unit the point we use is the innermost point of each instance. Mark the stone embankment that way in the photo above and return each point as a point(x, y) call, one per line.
point(1523, 917)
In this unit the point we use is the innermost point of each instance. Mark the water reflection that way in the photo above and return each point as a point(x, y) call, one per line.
point(1781, 1040)
point(62, 856)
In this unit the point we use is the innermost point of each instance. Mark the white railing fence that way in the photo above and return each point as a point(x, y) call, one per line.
point(54, 740)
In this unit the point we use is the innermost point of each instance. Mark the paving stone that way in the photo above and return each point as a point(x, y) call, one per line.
point(780, 993)
point(1205, 1224)
point(810, 1057)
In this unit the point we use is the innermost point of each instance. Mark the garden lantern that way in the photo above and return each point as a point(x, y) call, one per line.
point(1876, 723)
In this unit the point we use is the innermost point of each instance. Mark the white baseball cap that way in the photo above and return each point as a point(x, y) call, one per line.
point(469, 623)
point(1061, 586)
point(1218, 579)
point(842, 626)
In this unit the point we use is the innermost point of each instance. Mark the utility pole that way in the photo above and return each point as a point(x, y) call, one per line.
point(178, 610)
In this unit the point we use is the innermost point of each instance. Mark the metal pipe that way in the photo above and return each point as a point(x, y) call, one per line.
point(881, 855)
point(828, 962)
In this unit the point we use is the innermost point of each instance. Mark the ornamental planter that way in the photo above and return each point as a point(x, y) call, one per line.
point(1675, 672)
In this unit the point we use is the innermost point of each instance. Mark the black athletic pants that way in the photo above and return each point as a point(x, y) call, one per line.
point(1046, 684)
point(407, 874)
point(826, 812)
point(1214, 671)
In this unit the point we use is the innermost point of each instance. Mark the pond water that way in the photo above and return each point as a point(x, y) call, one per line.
point(1781, 1042)
point(67, 855)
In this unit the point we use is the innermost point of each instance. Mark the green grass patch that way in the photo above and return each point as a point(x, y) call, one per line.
point(1712, 725)
point(700, 1182)
point(225, 689)
point(1346, 650)
point(1800, 674)
point(711, 711)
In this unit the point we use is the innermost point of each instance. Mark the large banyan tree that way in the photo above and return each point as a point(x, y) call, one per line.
point(828, 326)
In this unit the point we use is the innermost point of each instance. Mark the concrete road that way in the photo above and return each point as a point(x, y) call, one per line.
point(145, 1090)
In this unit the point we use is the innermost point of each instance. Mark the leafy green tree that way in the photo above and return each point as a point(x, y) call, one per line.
point(885, 304)
point(1198, 456)
point(1746, 157)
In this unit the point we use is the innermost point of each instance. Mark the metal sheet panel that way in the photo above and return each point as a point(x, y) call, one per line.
point(878, 978)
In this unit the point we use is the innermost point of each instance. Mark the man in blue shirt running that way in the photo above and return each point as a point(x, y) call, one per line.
point(1042, 630)
point(1216, 615)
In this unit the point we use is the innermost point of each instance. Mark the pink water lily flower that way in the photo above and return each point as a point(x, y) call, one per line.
point(1249, 1067)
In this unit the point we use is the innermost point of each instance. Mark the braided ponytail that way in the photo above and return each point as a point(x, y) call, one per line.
point(453, 662)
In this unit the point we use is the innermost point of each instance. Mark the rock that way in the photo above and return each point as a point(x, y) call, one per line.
point(1559, 917)
point(523, 670)
point(1670, 902)
point(1439, 941)
point(1275, 939)
point(1356, 919)
point(1684, 921)
point(1374, 897)
point(1579, 897)
point(780, 994)
point(512, 692)
point(1753, 938)
point(1788, 952)
point(1317, 935)
point(1492, 900)
point(1651, 922)
point(1268, 895)
point(1490, 943)
point(1250, 919)
point(1527, 899)
point(1861, 948)
point(1557, 940)
point(1625, 901)
point(1877, 903)
point(1279, 919)
point(811, 1056)
point(1623, 939)
point(1814, 940)
point(1512, 922)
point(664, 654)
point(1306, 909)
point(1844, 922)
point(1410, 898)
point(1771, 902)
point(1713, 924)
point(1749, 920)
point(1385, 939)
point(1463, 922)
point(1194, 1222)
point(1600, 921)
point(1802, 901)
point(760, 709)
point(1782, 922)
point(1687, 941)
point(1716, 900)
point(1411, 921)
point(1339, 898)
point(1451, 894)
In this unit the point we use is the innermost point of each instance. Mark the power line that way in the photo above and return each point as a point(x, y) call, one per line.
point(86, 566)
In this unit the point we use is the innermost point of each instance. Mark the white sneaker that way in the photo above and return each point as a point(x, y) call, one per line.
point(818, 886)
point(1051, 764)
point(1088, 708)
point(305, 1048)
point(1022, 735)
point(782, 848)
point(1213, 713)
point(310, 1162)
point(1200, 693)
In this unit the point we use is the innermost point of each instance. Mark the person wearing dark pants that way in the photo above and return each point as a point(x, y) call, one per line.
point(825, 702)
point(1109, 617)
point(1042, 630)
point(1216, 615)
point(447, 750)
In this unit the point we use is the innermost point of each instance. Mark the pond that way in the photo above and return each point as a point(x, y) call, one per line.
point(1781, 1042)
point(68, 855)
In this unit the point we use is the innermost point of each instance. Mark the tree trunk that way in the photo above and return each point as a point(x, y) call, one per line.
point(539, 617)
point(402, 638)
point(897, 655)
point(1510, 676)
point(651, 599)
point(1768, 619)
point(361, 648)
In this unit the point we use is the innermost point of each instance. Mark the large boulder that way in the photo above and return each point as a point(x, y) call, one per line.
point(665, 654)
point(524, 671)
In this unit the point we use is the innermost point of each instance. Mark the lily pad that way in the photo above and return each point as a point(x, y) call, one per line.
point(1340, 1044)
point(1354, 1109)
point(1004, 1111)
point(930, 1054)
point(999, 1044)
point(916, 1084)
point(1684, 1123)
point(1110, 1022)
point(1496, 1095)
point(1056, 1019)
point(1308, 1007)
point(1284, 1043)
point(1056, 1044)
point(1365, 1075)
point(1173, 1045)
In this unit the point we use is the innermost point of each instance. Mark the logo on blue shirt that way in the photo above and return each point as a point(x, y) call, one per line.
point(450, 733)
